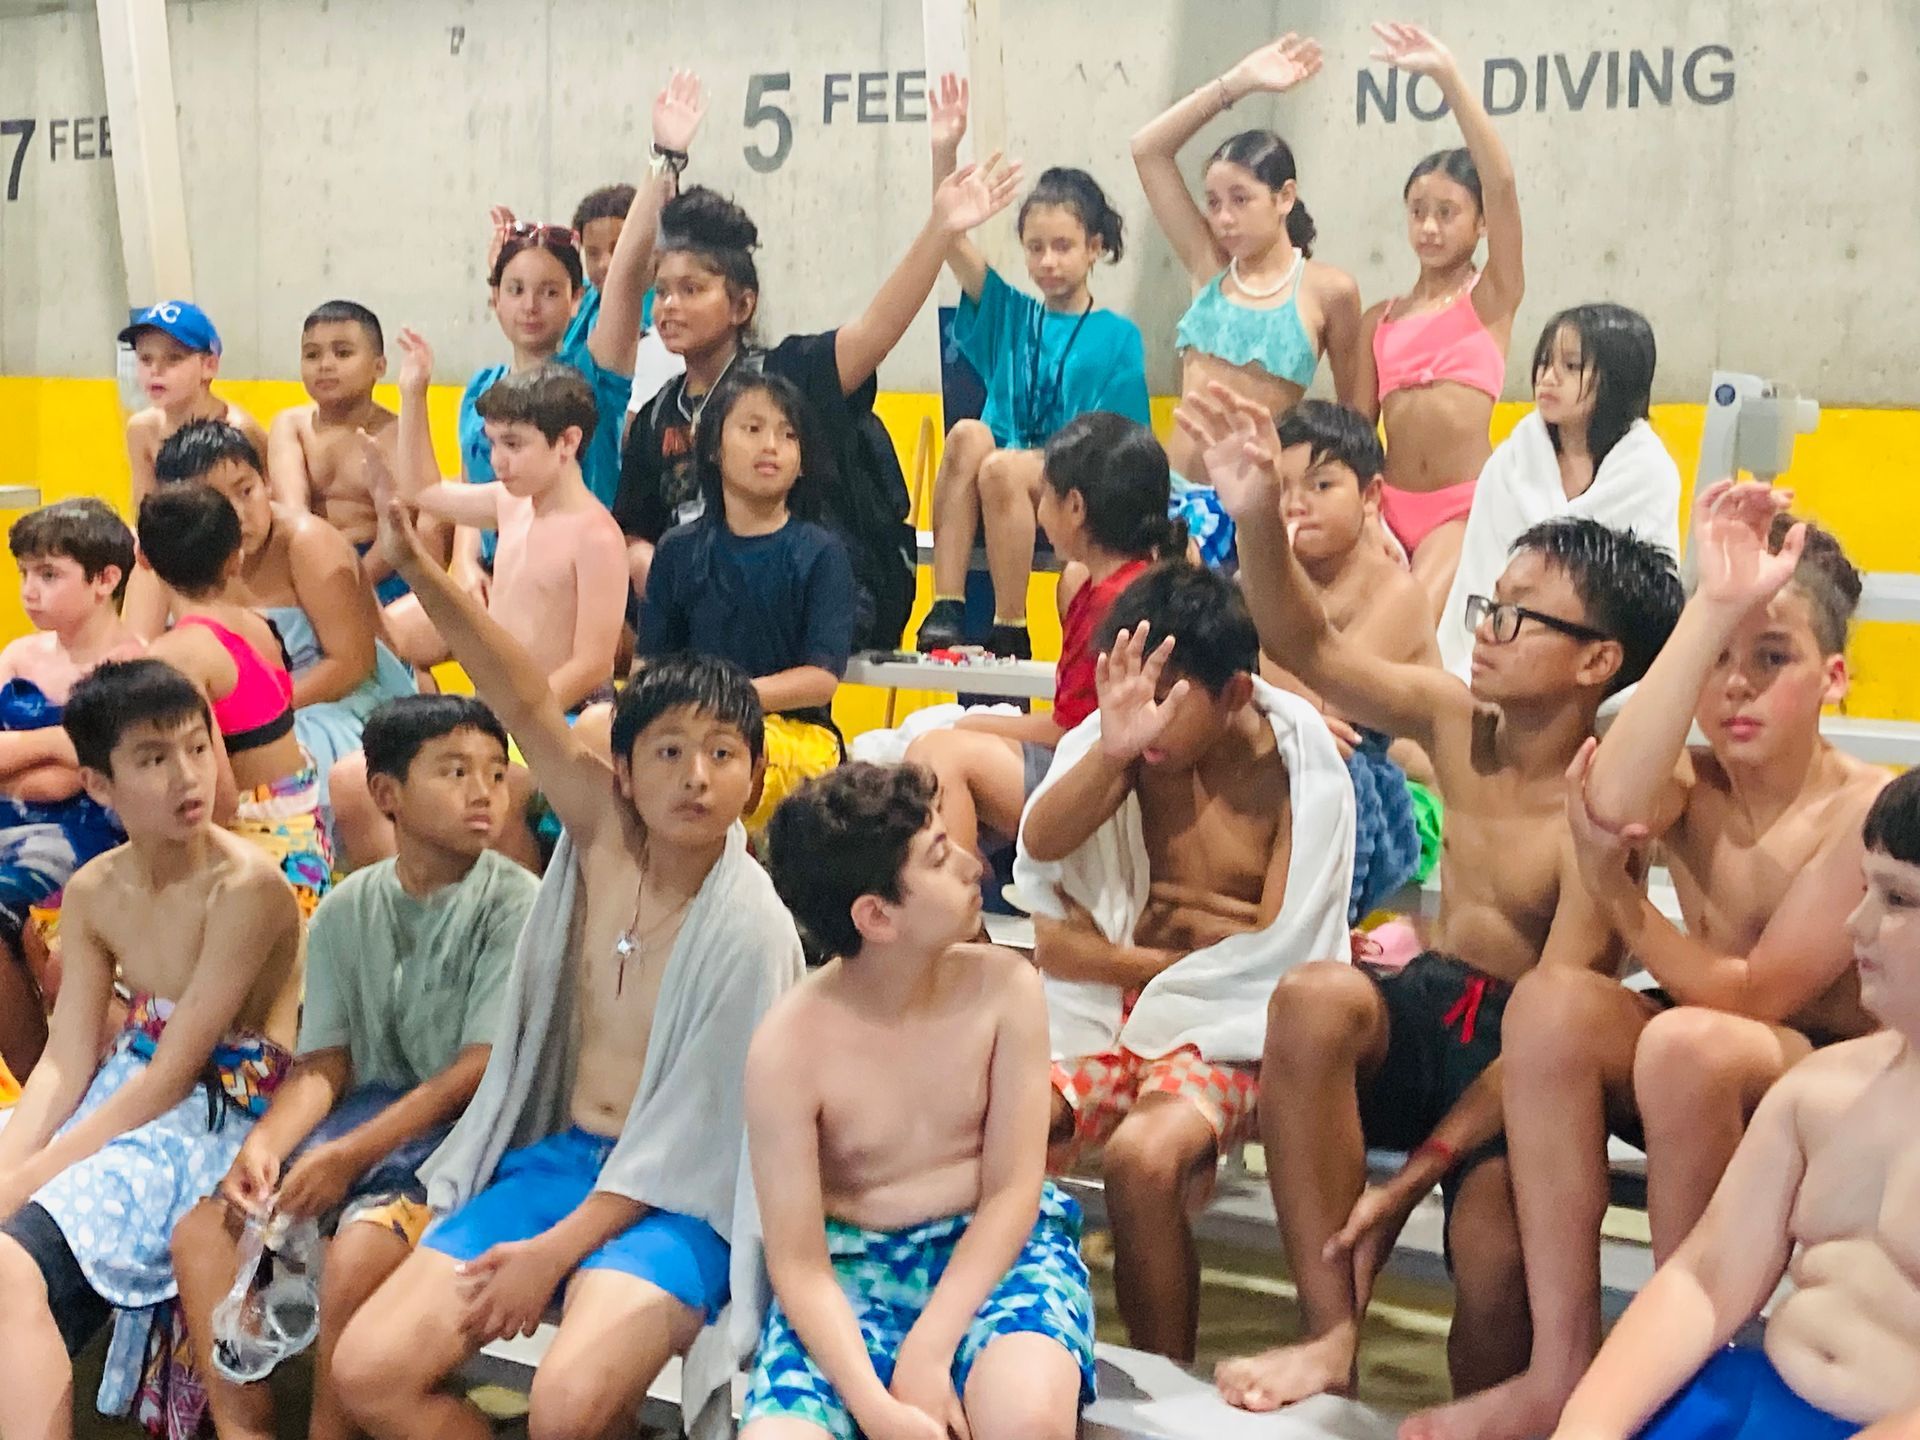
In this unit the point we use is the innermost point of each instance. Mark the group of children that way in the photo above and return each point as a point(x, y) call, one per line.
point(437, 1062)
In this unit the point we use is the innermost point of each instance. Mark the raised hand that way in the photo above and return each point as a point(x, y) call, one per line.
point(947, 113)
point(1238, 445)
point(399, 545)
point(974, 194)
point(678, 111)
point(416, 364)
point(1408, 47)
point(501, 218)
point(1731, 525)
point(1277, 67)
point(1127, 680)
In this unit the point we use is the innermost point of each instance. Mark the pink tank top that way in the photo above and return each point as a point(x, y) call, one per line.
point(259, 708)
point(1445, 344)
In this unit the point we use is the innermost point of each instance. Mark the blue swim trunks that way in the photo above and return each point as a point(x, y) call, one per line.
point(392, 587)
point(1738, 1395)
point(539, 1185)
point(1209, 525)
point(889, 1278)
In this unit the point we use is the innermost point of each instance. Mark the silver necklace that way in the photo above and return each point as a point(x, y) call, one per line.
point(631, 942)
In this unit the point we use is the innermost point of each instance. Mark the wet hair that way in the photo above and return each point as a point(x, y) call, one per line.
point(83, 530)
point(718, 689)
point(189, 534)
point(609, 202)
point(706, 224)
point(1079, 192)
point(1205, 613)
point(1826, 577)
point(1120, 471)
point(1617, 357)
point(1629, 587)
point(113, 697)
point(347, 312)
point(567, 252)
point(549, 396)
point(845, 834)
point(1271, 160)
point(816, 459)
point(1334, 432)
point(1456, 165)
point(1893, 822)
point(198, 447)
point(399, 729)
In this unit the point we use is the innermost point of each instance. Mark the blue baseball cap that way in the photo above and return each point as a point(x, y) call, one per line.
point(182, 319)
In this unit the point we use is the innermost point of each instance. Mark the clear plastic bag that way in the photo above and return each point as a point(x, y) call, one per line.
point(273, 1309)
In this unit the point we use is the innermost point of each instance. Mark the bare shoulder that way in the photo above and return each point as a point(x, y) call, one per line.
point(1330, 282)
point(790, 1028)
point(297, 422)
point(241, 420)
point(1399, 618)
point(144, 427)
point(246, 875)
point(1834, 1075)
point(1376, 312)
point(996, 973)
point(311, 539)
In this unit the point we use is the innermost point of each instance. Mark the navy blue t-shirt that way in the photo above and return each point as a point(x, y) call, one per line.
point(766, 602)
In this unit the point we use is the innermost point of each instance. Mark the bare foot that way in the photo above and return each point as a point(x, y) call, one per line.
point(1523, 1408)
point(1286, 1373)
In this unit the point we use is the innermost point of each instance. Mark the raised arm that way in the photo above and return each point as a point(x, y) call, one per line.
point(576, 781)
point(1275, 68)
point(947, 119)
point(676, 116)
point(1716, 1281)
point(1642, 771)
point(966, 198)
point(287, 475)
point(1243, 460)
point(1503, 281)
point(328, 584)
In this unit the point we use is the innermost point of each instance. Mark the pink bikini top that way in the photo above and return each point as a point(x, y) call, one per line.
point(1445, 344)
point(259, 708)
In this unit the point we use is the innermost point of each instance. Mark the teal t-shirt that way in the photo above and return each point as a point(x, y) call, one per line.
point(403, 985)
point(1043, 367)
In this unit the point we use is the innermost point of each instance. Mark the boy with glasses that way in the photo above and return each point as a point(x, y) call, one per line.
point(1406, 1059)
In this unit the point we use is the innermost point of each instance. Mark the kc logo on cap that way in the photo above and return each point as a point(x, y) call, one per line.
point(186, 322)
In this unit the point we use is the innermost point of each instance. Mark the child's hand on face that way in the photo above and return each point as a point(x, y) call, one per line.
point(1240, 449)
point(947, 113)
point(1127, 679)
point(974, 194)
point(416, 364)
point(677, 112)
point(1731, 523)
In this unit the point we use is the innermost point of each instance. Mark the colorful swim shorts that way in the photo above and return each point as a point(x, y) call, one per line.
point(888, 1278)
point(1102, 1089)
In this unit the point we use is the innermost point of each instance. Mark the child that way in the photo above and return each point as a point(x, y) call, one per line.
point(1760, 829)
point(707, 292)
point(1434, 360)
point(74, 556)
point(312, 453)
point(190, 535)
point(1263, 311)
point(1043, 363)
point(756, 581)
point(177, 355)
point(406, 974)
point(928, 1276)
point(1356, 1058)
point(101, 1159)
point(1820, 1190)
point(602, 1153)
point(300, 573)
point(1191, 842)
point(1103, 503)
point(1586, 449)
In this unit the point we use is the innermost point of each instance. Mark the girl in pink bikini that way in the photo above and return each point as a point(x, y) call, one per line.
point(1438, 353)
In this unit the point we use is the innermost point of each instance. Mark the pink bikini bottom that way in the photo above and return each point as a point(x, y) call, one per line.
point(1413, 515)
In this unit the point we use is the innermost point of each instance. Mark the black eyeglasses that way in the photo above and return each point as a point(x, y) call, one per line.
point(1506, 621)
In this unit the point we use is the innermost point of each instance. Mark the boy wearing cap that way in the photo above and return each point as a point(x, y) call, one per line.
point(177, 354)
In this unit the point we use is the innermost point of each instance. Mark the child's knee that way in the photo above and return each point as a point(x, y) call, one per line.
point(1679, 1062)
point(568, 1401)
point(970, 437)
point(372, 1370)
point(1318, 1010)
point(1003, 477)
point(1157, 1148)
point(1551, 1017)
point(200, 1230)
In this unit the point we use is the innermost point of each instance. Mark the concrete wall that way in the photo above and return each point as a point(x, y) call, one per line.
point(1743, 172)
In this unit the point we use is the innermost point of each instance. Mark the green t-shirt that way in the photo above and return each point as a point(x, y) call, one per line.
point(403, 985)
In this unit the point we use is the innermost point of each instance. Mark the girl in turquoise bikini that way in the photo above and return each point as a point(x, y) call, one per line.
point(1263, 311)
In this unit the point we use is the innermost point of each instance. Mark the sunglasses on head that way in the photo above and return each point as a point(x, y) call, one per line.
point(542, 234)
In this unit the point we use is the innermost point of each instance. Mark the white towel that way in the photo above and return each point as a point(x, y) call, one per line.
point(1214, 999)
point(1636, 488)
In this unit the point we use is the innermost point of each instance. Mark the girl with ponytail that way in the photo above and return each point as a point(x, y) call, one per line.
point(1104, 496)
point(1263, 310)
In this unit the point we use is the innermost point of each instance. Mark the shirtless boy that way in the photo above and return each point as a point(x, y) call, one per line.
point(928, 1276)
point(617, 1074)
point(74, 556)
point(1183, 735)
point(1825, 1190)
point(313, 451)
point(101, 1159)
point(1761, 832)
point(177, 354)
point(1354, 1058)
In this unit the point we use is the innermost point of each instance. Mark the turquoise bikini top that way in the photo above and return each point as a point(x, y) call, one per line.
point(1273, 339)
